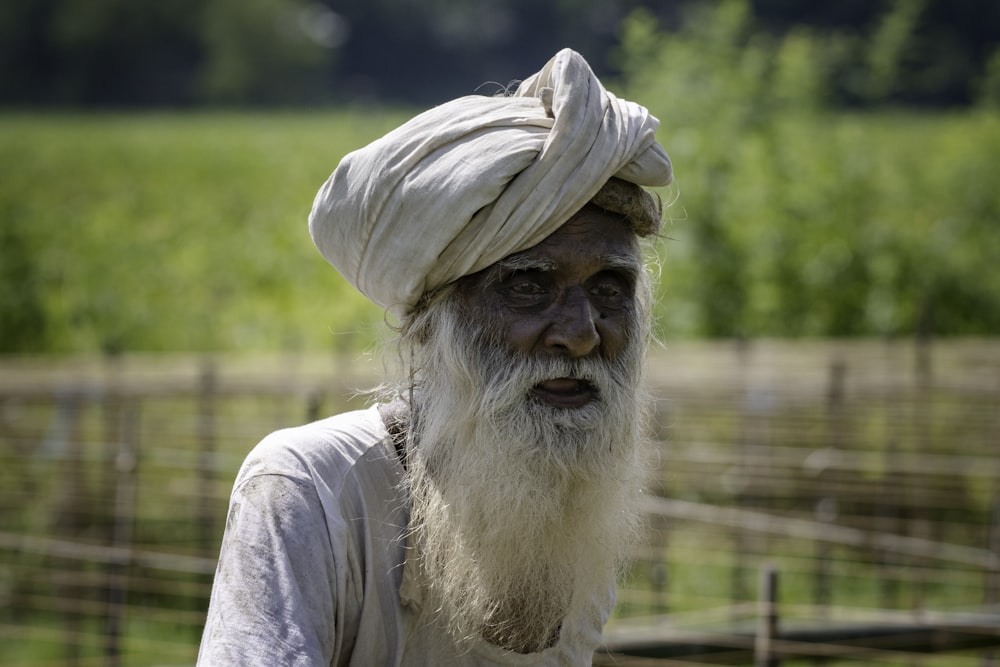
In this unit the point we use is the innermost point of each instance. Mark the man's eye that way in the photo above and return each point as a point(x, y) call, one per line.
point(523, 291)
point(526, 288)
point(611, 292)
point(608, 290)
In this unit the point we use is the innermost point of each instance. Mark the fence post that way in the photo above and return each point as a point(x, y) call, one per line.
point(739, 588)
point(314, 405)
point(890, 506)
point(889, 516)
point(917, 526)
point(827, 505)
point(991, 593)
point(765, 654)
point(206, 529)
point(71, 512)
point(206, 440)
point(126, 466)
point(659, 526)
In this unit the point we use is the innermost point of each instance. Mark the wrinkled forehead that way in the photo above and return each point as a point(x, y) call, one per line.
point(592, 241)
point(591, 232)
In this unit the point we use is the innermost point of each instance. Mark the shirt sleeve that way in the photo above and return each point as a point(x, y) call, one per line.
point(273, 598)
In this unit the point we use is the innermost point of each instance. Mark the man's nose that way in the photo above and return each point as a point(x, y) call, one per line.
point(573, 332)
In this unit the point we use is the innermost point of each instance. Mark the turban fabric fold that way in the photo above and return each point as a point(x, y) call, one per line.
point(464, 184)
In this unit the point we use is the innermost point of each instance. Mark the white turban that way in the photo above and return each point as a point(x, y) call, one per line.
point(463, 185)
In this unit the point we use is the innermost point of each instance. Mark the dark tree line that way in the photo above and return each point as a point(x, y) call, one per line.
point(147, 53)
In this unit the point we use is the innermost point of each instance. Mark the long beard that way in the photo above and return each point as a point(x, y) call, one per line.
point(520, 512)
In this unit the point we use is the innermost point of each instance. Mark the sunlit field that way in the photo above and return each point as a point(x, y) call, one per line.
point(172, 232)
point(187, 232)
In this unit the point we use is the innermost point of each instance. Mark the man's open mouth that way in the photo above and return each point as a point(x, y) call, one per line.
point(565, 393)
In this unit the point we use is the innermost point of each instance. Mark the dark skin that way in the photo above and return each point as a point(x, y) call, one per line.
point(573, 295)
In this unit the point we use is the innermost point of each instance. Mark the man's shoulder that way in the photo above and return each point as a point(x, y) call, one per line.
point(327, 449)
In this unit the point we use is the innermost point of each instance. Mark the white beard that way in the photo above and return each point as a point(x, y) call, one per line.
point(521, 512)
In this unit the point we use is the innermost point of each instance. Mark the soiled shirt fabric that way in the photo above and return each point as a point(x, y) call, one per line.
point(463, 185)
point(313, 564)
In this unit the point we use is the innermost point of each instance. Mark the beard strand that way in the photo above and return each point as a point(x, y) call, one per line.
point(521, 512)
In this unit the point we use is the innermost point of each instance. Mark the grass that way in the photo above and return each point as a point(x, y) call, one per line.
point(178, 232)
point(181, 232)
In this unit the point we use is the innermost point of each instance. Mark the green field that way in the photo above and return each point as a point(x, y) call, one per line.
point(171, 232)
point(187, 232)
point(793, 214)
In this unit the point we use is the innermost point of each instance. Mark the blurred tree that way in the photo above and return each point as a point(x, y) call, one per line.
point(124, 52)
point(988, 85)
point(798, 221)
point(22, 313)
point(144, 52)
point(263, 50)
point(893, 41)
point(109, 52)
point(715, 64)
point(27, 60)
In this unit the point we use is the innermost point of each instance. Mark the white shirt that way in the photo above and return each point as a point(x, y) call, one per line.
point(313, 563)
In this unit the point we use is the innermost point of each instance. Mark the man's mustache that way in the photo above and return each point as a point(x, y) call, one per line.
point(524, 374)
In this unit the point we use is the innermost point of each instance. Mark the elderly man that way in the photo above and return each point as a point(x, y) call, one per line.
point(480, 512)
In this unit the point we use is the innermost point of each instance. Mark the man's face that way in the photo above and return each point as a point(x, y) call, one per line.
point(530, 409)
point(571, 296)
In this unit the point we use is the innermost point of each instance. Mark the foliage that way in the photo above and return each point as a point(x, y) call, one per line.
point(989, 85)
point(138, 52)
point(187, 232)
point(258, 52)
point(110, 53)
point(889, 46)
point(793, 220)
point(171, 233)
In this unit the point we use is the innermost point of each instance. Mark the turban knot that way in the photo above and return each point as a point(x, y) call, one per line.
point(464, 184)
